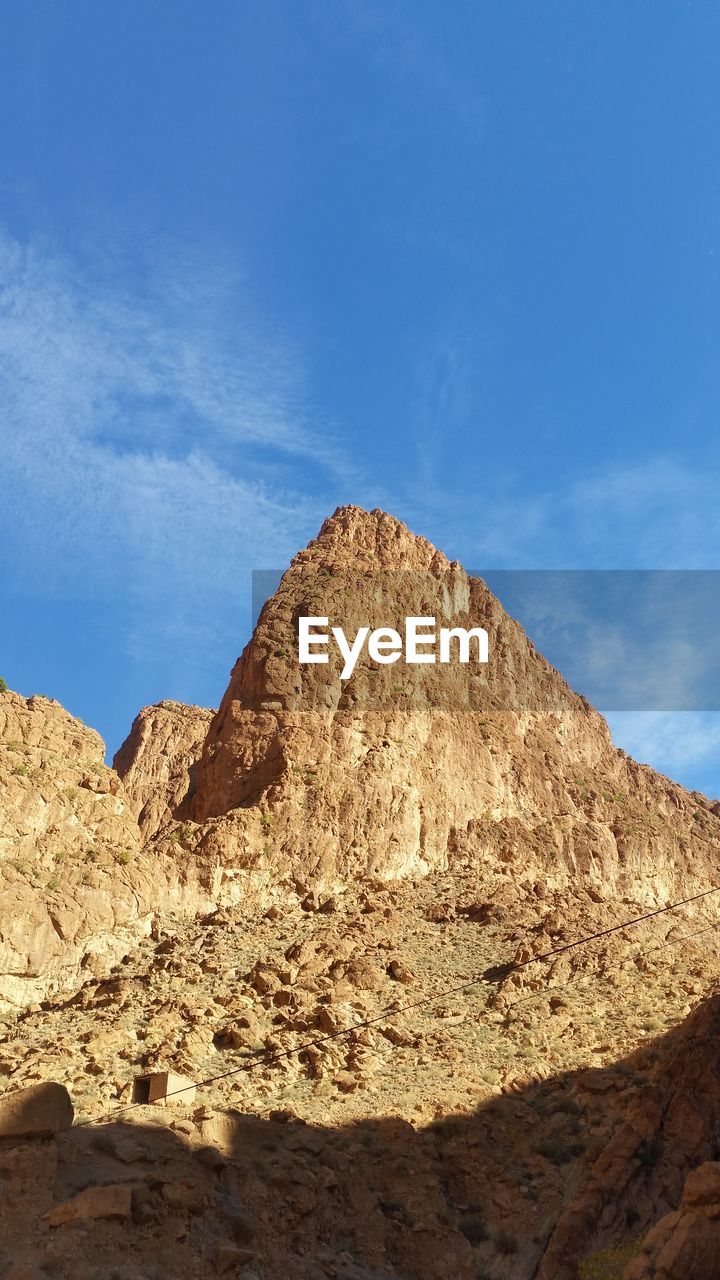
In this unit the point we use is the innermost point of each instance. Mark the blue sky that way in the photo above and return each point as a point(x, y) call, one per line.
point(256, 260)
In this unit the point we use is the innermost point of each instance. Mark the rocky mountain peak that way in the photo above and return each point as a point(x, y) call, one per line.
point(408, 913)
point(353, 537)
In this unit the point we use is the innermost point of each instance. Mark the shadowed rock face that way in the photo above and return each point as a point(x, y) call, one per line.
point(686, 1243)
point(668, 1129)
point(504, 1190)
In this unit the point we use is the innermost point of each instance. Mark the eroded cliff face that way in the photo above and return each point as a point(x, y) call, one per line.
point(76, 887)
point(671, 1126)
point(307, 779)
point(686, 1242)
point(158, 761)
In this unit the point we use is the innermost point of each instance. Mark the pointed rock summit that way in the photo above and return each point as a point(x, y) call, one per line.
point(304, 778)
point(305, 782)
point(355, 538)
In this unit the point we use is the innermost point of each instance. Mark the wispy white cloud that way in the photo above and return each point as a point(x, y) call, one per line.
point(636, 640)
point(679, 744)
point(658, 513)
point(156, 437)
point(159, 441)
point(652, 514)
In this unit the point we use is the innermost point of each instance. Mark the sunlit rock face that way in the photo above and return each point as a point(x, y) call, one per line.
point(158, 761)
point(398, 770)
point(76, 887)
point(306, 780)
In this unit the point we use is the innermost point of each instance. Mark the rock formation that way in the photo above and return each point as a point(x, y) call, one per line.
point(350, 907)
point(687, 1242)
point(76, 887)
point(308, 778)
point(158, 761)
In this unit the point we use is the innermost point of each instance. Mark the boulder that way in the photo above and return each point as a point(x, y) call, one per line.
point(703, 1185)
point(229, 1256)
point(38, 1111)
point(94, 1202)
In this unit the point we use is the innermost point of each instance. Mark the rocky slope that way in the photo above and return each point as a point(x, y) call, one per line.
point(320, 854)
point(502, 1137)
point(76, 886)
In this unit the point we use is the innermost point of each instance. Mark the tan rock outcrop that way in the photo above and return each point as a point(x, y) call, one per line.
point(158, 760)
point(76, 889)
point(114, 1202)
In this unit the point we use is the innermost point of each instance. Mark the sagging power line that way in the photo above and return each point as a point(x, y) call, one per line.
point(492, 976)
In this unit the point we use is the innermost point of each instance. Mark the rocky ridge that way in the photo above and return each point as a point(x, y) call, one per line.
point(77, 887)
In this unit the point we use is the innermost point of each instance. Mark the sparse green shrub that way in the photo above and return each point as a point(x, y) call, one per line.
point(652, 1024)
point(490, 1076)
point(3, 686)
point(609, 1264)
point(123, 856)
